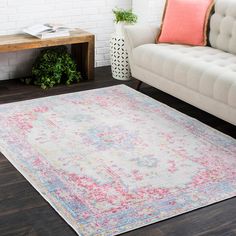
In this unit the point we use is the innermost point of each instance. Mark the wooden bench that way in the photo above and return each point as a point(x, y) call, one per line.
point(82, 47)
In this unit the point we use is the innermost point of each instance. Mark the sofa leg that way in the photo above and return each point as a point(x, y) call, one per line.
point(139, 85)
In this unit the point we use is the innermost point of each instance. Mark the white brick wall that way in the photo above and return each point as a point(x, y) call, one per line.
point(149, 11)
point(92, 15)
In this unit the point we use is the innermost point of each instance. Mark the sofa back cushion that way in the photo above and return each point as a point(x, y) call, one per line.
point(223, 26)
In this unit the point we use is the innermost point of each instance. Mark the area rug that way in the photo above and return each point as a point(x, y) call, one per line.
point(112, 160)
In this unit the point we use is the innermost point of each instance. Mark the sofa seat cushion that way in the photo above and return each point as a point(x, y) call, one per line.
point(206, 70)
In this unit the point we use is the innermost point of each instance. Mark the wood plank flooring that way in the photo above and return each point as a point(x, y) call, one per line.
point(24, 212)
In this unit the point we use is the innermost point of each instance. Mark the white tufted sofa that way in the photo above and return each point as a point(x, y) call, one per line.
point(202, 76)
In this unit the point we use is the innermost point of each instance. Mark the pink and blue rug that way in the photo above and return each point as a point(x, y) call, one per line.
point(111, 160)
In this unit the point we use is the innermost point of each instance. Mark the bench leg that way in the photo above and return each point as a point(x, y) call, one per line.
point(90, 58)
point(83, 54)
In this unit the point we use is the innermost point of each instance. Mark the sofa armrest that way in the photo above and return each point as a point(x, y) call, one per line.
point(136, 35)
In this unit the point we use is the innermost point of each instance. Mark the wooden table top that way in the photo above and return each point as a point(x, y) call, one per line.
point(18, 42)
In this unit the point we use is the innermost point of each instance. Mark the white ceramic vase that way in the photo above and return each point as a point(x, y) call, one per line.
point(119, 27)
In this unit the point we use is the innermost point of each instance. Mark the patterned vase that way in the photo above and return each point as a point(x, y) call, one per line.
point(119, 58)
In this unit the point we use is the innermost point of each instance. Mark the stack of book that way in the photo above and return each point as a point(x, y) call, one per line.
point(46, 31)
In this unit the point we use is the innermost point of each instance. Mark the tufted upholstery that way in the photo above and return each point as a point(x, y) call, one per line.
point(223, 26)
point(208, 71)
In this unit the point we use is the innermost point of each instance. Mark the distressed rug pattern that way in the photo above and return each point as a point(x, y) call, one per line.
point(111, 160)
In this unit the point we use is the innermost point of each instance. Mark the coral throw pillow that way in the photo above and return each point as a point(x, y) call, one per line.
point(185, 22)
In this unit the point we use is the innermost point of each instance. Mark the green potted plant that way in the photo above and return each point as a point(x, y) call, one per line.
point(54, 66)
point(123, 17)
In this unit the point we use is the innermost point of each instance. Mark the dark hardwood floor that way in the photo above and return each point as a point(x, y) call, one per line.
point(24, 212)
